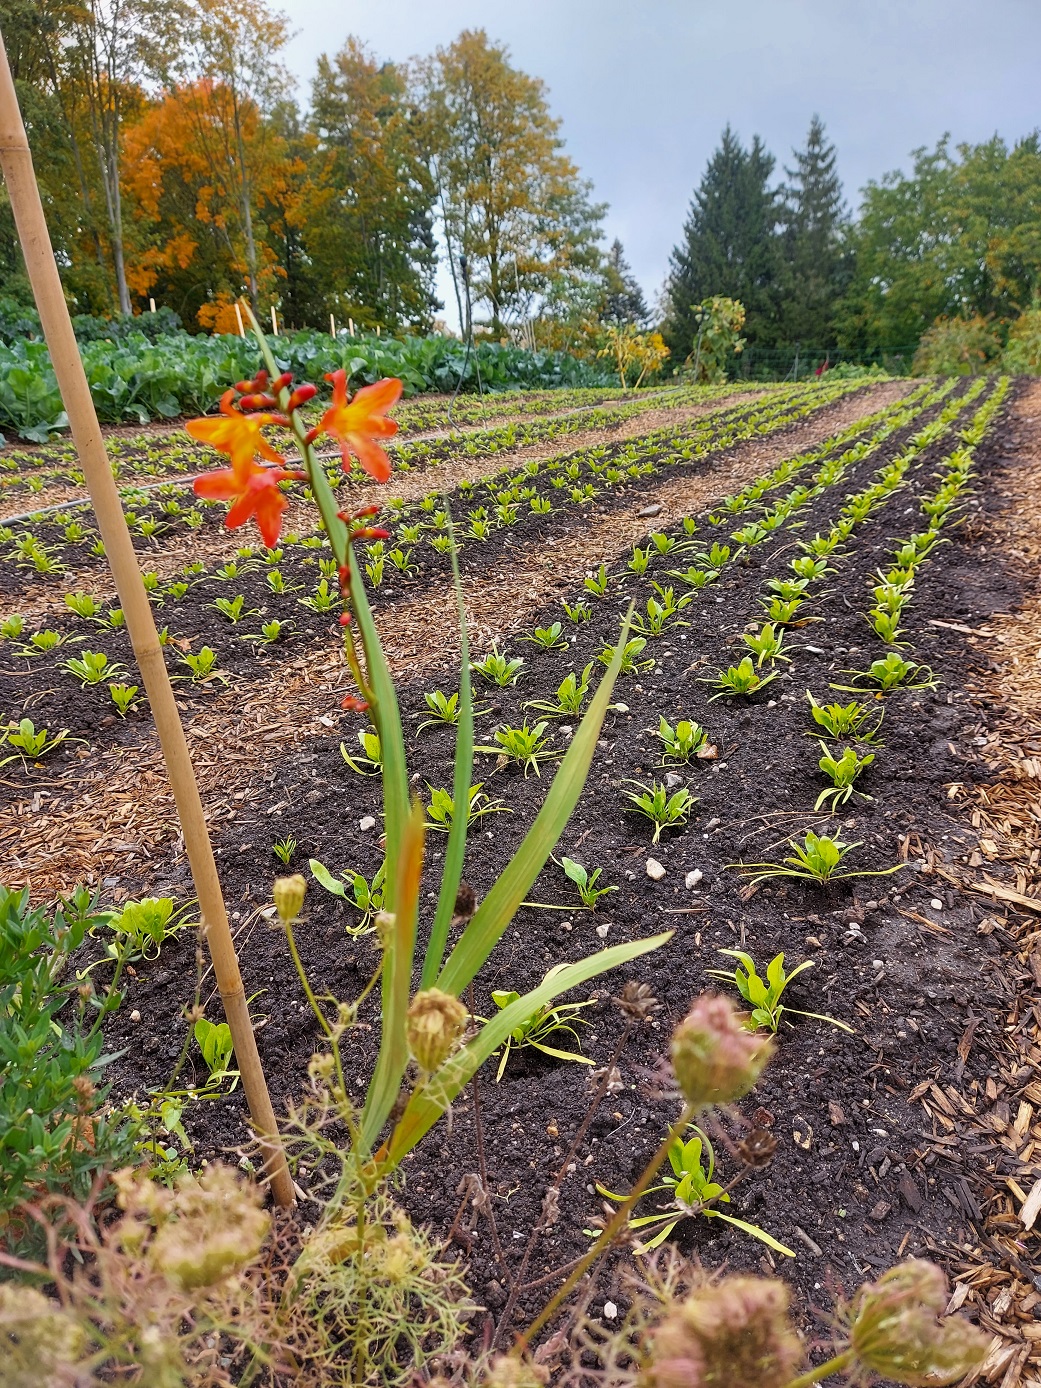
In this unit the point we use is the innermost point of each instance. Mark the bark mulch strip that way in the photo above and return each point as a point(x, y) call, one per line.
point(989, 1139)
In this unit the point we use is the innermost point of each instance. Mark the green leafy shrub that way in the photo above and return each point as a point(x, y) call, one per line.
point(55, 1133)
point(957, 347)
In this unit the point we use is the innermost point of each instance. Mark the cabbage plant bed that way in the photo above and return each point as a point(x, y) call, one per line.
point(837, 1159)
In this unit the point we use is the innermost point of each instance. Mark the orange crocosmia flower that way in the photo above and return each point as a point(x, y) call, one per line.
point(235, 433)
point(251, 489)
point(359, 422)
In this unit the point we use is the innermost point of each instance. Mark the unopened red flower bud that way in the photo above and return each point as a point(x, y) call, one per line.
point(354, 705)
point(345, 619)
point(371, 533)
point(715, 1059)
point(311, 435)
point(433, 1024)
point(898, 1333)
point(281, 381)
point(301, 395)
point(289, 896)
point(260, 379)
point(366, 511)
point(243, 387)
point(734, 1333)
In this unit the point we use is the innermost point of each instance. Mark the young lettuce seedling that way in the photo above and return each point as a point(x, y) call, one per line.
point(681, 742)
point(693, 1191)
point(546, 1021)
point(585, 882)
point(843, 772)
point(739, 679)
point(441, 810)
point(364, 894)
point(845, 720)
point(816, 859)
point(764, 995)
point(654, 802)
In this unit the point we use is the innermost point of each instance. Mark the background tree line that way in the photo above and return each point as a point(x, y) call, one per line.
point(950, 252)
point(177, 164)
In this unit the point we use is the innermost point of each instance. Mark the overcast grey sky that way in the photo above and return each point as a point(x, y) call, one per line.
point(644, 87)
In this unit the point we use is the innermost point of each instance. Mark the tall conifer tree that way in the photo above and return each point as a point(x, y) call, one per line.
point(730, 246)
point(814, 218)
point(623, 300)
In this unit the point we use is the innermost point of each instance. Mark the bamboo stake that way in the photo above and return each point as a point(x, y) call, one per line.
point(17, 167)
point(238, 316)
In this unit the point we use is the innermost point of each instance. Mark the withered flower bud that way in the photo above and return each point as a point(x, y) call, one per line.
point(897, 1331)
point(729, 1334)
point(465, 904)
point(637, 1001)
point(715, 1059)
point(289, 897)
point(434, 1023)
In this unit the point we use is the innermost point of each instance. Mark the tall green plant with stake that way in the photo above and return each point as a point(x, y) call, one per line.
point(425, 1025)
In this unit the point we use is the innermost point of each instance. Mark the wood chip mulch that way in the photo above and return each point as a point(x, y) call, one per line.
point(989, 1138)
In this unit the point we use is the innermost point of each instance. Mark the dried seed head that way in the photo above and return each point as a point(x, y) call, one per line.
point(715, 1059)
point(506, 1371)
point(289, 897)
point(465, 904)
point(729, 1334)
point(897, 1331)
point(637, 1001)
point(433, 1024)
point(41, 1343)
point(758, 1148)
point(213, 1229)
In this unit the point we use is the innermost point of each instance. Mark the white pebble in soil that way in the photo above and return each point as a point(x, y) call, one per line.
point(655, 870)
point(367, 822)
point(936, 904)
point(692, 879)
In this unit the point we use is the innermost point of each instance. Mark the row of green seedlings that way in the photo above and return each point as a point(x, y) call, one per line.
point(94, 669)
point(525, 433)
point(892, 588)
point(787, 594)
point(149, 454)
point(766, 643)
point(29, 551)
point(583, 475)
point(819, 857)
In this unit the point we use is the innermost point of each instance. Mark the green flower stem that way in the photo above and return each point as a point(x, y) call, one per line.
point(611, 1231)
point(833, 1366)
point(323, 1021)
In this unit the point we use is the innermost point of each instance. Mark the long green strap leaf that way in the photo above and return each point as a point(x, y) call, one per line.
point(455, 851)
point(424, 1109)
point(396, 984)
point(500, 905)
point(387, 716)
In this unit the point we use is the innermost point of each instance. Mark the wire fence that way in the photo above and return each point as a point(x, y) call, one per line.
point(797, 361)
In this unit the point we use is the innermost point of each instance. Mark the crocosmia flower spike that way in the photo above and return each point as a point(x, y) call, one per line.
point(358, 422)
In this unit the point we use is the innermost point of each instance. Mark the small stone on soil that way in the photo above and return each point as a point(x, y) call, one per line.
point(693, 878)
point(655, 870)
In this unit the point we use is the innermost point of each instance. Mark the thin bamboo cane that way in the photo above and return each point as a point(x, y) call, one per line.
point(17, 167)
